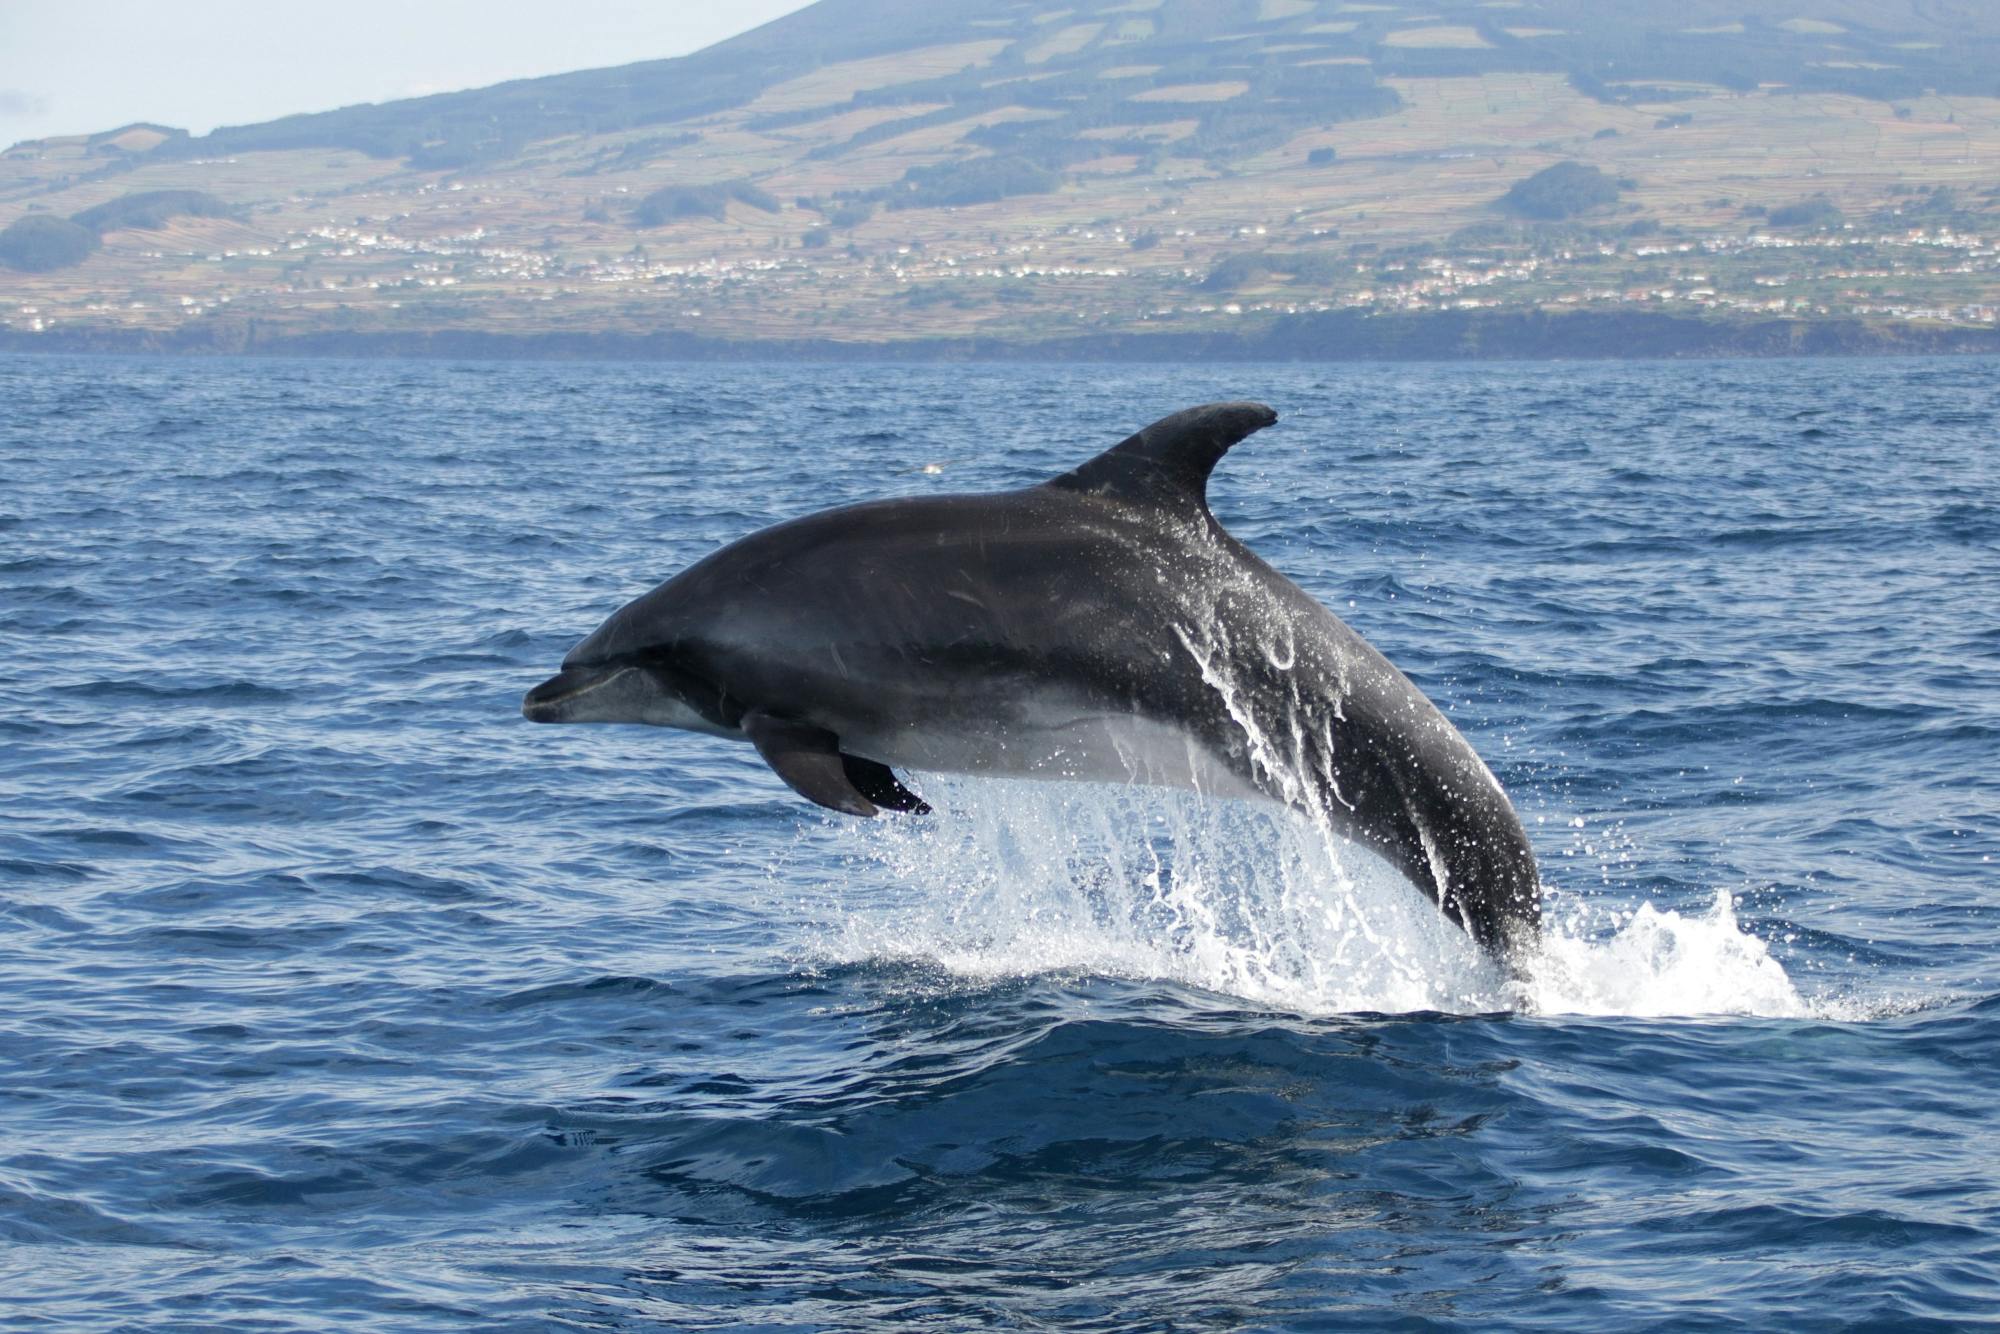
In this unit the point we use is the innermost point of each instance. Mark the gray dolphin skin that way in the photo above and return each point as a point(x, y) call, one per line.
point(1100, 626)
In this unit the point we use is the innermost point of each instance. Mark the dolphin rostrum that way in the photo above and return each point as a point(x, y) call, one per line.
point(1098, 626)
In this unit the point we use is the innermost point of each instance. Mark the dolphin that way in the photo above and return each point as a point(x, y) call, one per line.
point(1100, 626)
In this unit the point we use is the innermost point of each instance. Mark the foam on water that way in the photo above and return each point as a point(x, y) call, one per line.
point(1659, 962)
point(1250, 900)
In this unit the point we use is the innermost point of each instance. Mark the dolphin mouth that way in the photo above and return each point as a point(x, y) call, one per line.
point(547, 702)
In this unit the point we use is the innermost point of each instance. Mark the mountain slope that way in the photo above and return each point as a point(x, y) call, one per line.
point(871, 170)
point(1874, 49)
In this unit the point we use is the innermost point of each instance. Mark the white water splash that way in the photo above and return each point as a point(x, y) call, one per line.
point(1250, 900)
point(1659, 963)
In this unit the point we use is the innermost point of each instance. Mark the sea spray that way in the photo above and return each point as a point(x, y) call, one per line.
point(1657, 963)
point(1254, 901)
point(1013, 878)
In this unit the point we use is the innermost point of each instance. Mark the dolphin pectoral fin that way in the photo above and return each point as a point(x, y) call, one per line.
point(875, 781)
point(809, 760)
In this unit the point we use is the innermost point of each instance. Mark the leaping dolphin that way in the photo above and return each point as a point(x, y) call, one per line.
point(1099, 626)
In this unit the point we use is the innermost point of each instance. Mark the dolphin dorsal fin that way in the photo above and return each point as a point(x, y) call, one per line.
point(1174, 455)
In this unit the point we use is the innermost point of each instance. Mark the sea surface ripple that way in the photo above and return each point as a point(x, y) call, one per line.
point(332, 993)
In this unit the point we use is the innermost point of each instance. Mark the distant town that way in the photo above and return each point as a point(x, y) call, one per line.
point(1077, 179)
point(1912, 274)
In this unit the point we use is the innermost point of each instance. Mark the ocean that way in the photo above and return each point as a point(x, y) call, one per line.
point(335, 994)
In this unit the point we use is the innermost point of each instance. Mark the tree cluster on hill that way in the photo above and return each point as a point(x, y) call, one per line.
point(699, 201)
point(1939, 205)
point(850, 214)
point(1807, 213)
point(1561, 191)
point(638, 152)
point(42, 242)
point(981, 180)
point(148, 209)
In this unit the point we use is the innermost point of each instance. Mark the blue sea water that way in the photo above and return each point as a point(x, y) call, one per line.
point(334, 994)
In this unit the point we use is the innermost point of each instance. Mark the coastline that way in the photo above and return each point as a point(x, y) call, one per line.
point(1528, 335)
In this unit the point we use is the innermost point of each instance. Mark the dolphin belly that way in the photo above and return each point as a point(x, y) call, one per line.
point(1060, 741)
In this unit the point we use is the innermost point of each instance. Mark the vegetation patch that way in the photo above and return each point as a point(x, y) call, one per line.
point(1807, 213)
point(925, 296)
point(1247, 268)
point(1561, 191)
point(982, 180)
point(674, 202)
point(150, 209)
point(42, 242)
point(639, 152)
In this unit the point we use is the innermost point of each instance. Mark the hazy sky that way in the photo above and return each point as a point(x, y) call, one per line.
point(75, 66)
